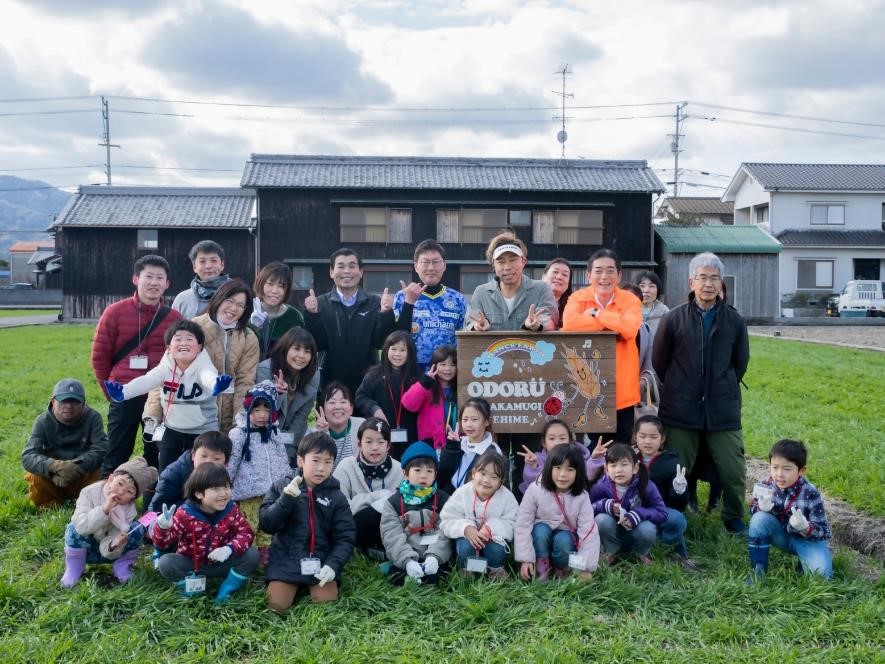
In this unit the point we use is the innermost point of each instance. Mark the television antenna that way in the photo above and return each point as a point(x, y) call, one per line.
point(562, 135)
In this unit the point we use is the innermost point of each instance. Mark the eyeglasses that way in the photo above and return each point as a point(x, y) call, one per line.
point(436, 262)
point(233, 303)
point(708, 278)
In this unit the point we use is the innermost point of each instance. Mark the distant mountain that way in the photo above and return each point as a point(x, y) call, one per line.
point(24, 206)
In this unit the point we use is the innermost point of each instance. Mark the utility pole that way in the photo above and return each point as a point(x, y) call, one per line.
point(106, 137)
point(674, 146)
point(562, 136)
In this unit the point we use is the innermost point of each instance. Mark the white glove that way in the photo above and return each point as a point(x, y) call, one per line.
point(680, 484)
point(293, 488)
point(258, 316)
point(431, 565)
point(798, 520)
point(414, 569)
point(149, 425)
point(220, 554)
point(765, 503)
point(164, 521)
point(325, 575)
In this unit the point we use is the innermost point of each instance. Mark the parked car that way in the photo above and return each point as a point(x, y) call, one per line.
point(19, 286)
point(862, 298)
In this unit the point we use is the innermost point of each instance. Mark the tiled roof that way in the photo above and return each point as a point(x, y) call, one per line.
point(159, 207)
point(30, 246)
point(818, 177)
point(328, 172)
point(742, 239)
point(698, 205)
point(831, 238)
point(41, 255)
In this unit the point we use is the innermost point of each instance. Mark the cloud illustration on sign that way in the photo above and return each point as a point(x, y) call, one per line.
point(487, 365)
point(542, 352)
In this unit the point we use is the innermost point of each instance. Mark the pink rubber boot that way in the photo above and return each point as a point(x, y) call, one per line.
point(124, 564)
point(75, 565)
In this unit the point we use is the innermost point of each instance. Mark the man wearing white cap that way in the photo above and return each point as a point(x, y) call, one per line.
point(511, 301)
point(66, 447)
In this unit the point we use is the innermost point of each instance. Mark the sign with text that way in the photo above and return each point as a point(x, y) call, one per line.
point(532, 378)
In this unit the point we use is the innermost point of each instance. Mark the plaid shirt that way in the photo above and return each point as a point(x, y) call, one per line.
point(804, 495)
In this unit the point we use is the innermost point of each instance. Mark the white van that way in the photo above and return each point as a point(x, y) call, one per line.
point(862, 298)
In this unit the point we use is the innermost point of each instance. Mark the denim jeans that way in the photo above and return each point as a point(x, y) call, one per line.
point(75, 540)
point(494, 553)
point(814, 555)
point(672, 531)
point(554, 544)
point(615, 538)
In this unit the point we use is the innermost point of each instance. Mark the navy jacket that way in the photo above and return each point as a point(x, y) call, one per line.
point(662, 471)
point(170, 487)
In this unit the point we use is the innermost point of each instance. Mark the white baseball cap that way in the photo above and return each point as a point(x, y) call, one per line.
point(507, 248)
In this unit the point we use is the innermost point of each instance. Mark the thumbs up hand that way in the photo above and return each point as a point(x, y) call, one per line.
point(680, 484)
point(386, 301)
point(310, 303)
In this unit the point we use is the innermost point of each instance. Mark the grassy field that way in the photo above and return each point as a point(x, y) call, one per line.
point(15, 313)
point(625, 614)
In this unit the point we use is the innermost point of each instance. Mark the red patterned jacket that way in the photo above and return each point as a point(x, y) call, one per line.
point(192, 528)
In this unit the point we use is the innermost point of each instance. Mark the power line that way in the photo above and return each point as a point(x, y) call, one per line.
point(59, 112)
point(783, 128)
point(788, 115)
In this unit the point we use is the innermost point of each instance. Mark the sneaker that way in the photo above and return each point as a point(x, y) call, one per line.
point(646, 560)
point(734, 526)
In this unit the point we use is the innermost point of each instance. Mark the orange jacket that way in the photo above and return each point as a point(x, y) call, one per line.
point(624, 316)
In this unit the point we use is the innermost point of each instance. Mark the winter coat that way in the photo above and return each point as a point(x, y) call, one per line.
point(661, 471)
point(374, 393)
point(351, 336)
point(539, 506)
point(487, 298)
point(649, 507)
point(348, 445)
point(84, 442)
point(464, 509)
point(195, 534)
point(294, 406)
point(287, 519)
point(804, 495)
point(701, 381)
point(403, 527)
point(119, 324)
point(276, 326)
point(531, 473)
point(654, 315)
point(193, 408)
point(355, 488)
point(90, 520)
point(269, 461)
point(170, 486)
point(431, 416)
point(622, 315)
point(455, 463)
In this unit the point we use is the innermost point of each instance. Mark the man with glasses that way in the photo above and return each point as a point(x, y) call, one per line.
point(701, 352)
point(66, 447)
point(437, 311)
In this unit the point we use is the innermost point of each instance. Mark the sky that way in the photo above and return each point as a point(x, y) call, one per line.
point(195, 86)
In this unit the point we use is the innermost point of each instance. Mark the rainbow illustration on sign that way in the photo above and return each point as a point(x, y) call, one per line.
point(489, 362)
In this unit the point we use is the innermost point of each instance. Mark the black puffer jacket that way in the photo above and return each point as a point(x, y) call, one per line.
point(287, 519)
point(662, 471)
point(701, 382)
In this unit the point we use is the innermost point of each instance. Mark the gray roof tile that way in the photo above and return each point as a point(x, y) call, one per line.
point(831, 238)
point(330, 172)
point(699, 205)
point(818, 177)
point(159, 207)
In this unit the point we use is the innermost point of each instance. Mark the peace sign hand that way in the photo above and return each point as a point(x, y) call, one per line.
point(322, 423)
point(280, 383)
point(601, 448)
point(452, 434)
point(535, 319)
point(479, 320)
point(530, 457)
point(680, 484)
point(432, 372)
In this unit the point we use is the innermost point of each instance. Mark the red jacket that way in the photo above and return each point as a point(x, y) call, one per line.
point(196, 533)
point(118, 324)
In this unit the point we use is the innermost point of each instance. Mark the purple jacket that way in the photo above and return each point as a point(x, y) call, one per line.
point(531, 474)
point(649, 507)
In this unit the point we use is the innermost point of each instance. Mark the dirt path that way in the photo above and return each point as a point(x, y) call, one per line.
point(861, 336)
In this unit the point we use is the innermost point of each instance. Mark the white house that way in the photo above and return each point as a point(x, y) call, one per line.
point(708, 211)
point(829, 219)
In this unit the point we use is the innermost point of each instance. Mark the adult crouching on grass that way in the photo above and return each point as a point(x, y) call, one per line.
point(66, 447)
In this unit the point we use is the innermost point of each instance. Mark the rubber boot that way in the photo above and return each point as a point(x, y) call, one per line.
point(75, 565)
point(124, 564)
point(542, 569)
point(231, 584)
point(758, 559)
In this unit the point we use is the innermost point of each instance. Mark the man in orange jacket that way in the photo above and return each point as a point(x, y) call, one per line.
point(603, 306)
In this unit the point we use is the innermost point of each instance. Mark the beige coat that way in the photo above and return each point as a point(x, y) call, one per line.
point(89, 519)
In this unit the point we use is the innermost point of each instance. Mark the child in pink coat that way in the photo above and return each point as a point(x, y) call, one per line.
point(434, 398)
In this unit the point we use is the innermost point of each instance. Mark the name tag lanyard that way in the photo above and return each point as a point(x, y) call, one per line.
point(172, 386)
point(571, 529)
point(485, 512)
point(423, 528)
point(397, 405)
point(151, 326)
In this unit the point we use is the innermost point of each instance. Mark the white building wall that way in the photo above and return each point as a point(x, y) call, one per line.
point(793, 210)
point(748, 197)
point(843, 267)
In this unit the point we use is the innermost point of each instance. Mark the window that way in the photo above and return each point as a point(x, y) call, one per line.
point(730, 288)
point(567, 227)
point(147, 239)
point(762, 215)
point(469, 225)
point(376, 225)
point(827, 214)
point(814, 274)
point(521, 218)
point(302, 277)
point(473, 276)
point(378, 277)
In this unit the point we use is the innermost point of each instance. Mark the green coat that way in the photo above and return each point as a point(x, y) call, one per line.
point(84, 442)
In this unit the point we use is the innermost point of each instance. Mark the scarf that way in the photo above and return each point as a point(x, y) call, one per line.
point(374, 472)
point(204, 290)
point(415, 495)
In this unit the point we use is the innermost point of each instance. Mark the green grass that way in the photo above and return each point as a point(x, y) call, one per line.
point(625, 614)
point(15, 313)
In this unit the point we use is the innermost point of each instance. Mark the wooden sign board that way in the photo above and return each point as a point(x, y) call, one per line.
point(531, 378)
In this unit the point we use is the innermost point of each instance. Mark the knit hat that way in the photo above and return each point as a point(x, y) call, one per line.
point(419, 450)
point(137, 468)
point(263, 391)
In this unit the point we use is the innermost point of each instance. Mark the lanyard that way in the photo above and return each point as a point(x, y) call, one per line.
point(173, 389)
point(397, 405)
point(485, 511)
point(138, 348)
point(458, 481)
point(571, 529)
point(311, 524)
point(428, 528)
point(451, 414)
